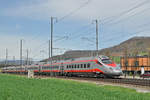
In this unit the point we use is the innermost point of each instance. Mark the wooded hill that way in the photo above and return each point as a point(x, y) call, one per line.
point(135, 44)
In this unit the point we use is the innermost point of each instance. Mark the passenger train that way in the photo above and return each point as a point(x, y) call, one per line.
point(99, 66)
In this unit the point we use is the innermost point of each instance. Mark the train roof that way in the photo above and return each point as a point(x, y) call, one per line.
point(81, 58)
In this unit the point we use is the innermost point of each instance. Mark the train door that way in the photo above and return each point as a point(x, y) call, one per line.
point(61, 69)
point(39, 69)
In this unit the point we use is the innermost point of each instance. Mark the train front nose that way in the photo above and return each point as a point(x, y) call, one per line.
point(117, 72)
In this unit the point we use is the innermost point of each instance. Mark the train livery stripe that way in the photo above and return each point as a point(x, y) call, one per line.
point(89, 70)
point(36, 70)
point(113, 64)
point(16, 71)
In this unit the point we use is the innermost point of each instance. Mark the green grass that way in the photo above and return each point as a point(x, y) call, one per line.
point(116, 59)
point(20, 88)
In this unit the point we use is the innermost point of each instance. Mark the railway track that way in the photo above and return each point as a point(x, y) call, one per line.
point(128, 81)
point(136, 82)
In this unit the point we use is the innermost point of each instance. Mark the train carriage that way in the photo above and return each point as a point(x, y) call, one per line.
point(99, 66)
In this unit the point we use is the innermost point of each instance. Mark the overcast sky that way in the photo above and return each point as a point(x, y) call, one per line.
point(29, 20)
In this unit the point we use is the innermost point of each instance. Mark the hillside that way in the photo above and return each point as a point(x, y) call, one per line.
point(140, 44)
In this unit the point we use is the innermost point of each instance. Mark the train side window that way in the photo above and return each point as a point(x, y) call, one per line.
point(78, 66)
point(88, 65)
point(81, 65)
point(84, 65)
point(74, 66)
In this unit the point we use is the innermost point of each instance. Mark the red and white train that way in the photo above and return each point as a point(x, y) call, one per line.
point(100, 66)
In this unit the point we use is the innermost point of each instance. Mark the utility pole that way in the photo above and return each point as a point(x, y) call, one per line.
point(96, 22)
point(21, 53)
point(96, 35)
point(6, 62)
point(27, 57)
point(51, 37)
point(49, 49)
point(14, 60)
point(51, 42)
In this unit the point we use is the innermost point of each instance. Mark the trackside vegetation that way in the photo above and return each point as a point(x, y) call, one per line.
point(21, 88)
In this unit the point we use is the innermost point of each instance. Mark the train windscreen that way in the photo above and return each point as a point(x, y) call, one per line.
point(106, 61)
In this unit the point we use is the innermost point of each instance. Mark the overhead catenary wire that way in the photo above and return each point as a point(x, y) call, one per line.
point(142, 11)
point(38, 53)
point(126, 12)
point(39, 47)
point(82, 31)
point(87, 39)
point(45, 43)
point(72, 35)
point(138, 27)
point(69, 14)
point(74, 11)
point(129, 10)
point(123, 35)
point(61, 38)
point(75, 34)
point(44, 50)
point(131, 16)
